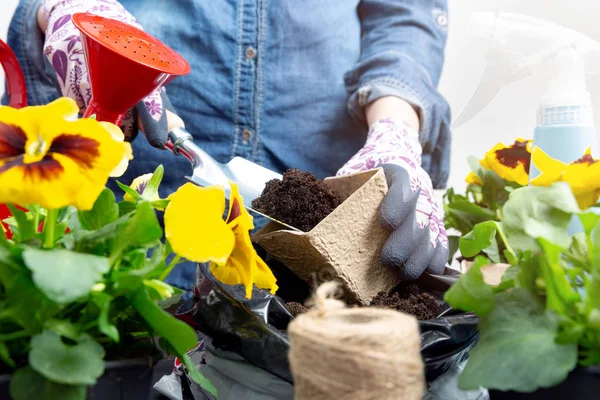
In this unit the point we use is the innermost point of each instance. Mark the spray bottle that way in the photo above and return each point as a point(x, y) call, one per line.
point(520, 46)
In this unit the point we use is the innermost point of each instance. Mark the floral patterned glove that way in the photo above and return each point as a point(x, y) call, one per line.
point(64, 50)
point(418, 241)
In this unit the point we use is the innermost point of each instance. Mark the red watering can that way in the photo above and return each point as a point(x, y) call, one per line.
point(17, 94)
point(137, 61)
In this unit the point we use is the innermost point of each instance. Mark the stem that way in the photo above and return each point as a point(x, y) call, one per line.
point(14, 335)
point(50, 228)
point(36, 220)
point(169, 268)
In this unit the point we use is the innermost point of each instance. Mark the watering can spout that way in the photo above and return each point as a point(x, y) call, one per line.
point(17, 91)
point(138, 62)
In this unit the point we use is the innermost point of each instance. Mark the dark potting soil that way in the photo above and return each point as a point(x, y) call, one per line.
point(299, 199)
point(409, 299)
point(296, 309)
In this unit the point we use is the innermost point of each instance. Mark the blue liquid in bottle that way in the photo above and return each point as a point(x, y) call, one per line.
point(564, 133)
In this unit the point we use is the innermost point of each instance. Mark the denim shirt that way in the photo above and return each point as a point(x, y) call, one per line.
point(282, 83)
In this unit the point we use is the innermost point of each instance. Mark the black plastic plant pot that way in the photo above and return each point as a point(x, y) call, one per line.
point(122, 380)
point(581, 384)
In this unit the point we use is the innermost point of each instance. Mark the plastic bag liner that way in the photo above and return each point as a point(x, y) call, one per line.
point(256, 328)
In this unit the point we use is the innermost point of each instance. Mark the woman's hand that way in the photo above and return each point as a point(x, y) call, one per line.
point(418, 241)
point(64, 50)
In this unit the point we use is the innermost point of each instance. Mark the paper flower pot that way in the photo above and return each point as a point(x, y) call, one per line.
point(492, 273)
point(345, 246)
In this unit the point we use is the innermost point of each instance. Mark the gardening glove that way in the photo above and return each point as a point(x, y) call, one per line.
point(418, 241)
point(64, 50)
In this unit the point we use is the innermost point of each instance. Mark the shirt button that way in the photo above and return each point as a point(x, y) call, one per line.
point(250, 52)
point(246, 135)
point(442, 20)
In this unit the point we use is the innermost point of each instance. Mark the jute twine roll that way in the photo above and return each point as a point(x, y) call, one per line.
point(355, 353)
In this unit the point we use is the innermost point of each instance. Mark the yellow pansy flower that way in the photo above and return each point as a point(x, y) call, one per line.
point(511, 163)
point(473, 179)
point(196, 230)
point(50, 158)
point(583, 175)
point(139, 185)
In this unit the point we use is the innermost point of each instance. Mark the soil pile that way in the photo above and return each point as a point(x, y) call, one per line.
point(299, 199)
point(410, 300)
point(296, 309)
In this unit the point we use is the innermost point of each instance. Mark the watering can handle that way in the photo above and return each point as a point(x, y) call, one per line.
point(17, 91)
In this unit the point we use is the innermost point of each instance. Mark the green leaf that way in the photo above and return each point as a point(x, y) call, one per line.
point(104, 212)
point(517, 347)
point(151, 190)
point(79, 364)
point(559, 294)
point(493, 189)
point(539, 212)
point(196, 376)
point(474, 164)
point(162, 204)
point(142, 228)
point(470, 292)
point(5, 355)
point(25, 224)
point(130, 191)
point(125, 207)
point(103, 301)
point(27, 384)
point(594, 245)
point(483, 239)
point(33, 308)
point(452, 247)
point(63, 328)
point(62, 275)
point(465, 215)
point(177, 333)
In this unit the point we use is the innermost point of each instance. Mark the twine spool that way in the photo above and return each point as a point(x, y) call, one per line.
point(355, 353)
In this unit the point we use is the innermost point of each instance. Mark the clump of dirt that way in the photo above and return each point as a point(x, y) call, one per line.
point(299, 199)
point(410, 300)
point(296, 309)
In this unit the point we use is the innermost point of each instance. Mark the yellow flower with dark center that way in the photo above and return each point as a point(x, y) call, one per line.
point(583, 175)
point(139, 184)
point(196, 230)
point(511, 163)
point(50, 158)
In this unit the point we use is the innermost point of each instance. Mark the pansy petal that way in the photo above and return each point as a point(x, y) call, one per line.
point(473, 179)
point(139, 185)
point(226, 274)
point(551, 170)
point(118, 136)
point(53, 182)
point(194, 224)
point(64, 107)
point(264, 278)
point(15, 122)
point(244, 273)
point(510, 162)
point(120, 169)
point(238, 215)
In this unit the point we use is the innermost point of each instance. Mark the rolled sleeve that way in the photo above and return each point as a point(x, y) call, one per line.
point(402, 54)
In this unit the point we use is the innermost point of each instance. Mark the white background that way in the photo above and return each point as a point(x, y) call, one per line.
point(512, 112)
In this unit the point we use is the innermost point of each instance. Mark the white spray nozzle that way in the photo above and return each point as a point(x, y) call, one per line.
point(520, 46)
